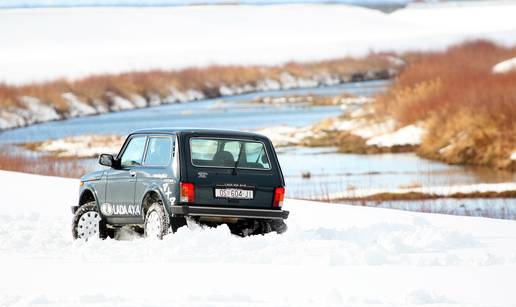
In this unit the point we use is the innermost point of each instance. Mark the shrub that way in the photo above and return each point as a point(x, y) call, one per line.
point(469, 111)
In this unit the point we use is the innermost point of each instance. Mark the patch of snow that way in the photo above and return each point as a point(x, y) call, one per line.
point(268, 85)
point(409, 259)
point(83, 146)
point(11, 119)
point(119, 103)
point(78, 107)
point(374, 129)
point(408, 135)
point(139, 101)
point(155, 100)
point(505, 66)
point(286, 135)
point(38, 111)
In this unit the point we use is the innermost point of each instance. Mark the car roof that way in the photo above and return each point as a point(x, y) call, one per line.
point(208, 131)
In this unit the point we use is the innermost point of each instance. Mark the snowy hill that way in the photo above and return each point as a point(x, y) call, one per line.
point(48, 43)
point(332, 255)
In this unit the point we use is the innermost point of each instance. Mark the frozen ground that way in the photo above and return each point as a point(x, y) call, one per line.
point(74, 42)
point(332, 255)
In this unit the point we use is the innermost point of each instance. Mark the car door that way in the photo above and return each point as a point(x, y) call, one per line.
point(156, 170)
point(121, 181)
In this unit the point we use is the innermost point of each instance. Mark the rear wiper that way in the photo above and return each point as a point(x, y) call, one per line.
point(238, 159)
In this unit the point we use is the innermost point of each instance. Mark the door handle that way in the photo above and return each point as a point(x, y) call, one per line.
point(132, 173)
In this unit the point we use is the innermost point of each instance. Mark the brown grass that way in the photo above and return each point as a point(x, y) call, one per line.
point(462, 102)
point(48, 166)
point(93, 90)
point(423, 196)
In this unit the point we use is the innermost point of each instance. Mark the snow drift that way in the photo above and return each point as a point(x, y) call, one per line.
point(332, 255)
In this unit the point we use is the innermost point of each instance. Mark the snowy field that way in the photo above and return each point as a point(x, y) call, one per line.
point(332, 255)
point(46, 43)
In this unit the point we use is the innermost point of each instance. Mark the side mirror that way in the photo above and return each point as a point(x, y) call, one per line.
point(107, 160)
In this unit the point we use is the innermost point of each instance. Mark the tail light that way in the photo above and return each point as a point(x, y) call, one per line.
point(187, 192)
point(279, 195)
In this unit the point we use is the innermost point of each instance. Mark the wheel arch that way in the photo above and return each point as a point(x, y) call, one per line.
point(150, 197)
point(88, 195)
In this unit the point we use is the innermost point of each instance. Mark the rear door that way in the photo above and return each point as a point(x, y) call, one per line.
point(232, 171)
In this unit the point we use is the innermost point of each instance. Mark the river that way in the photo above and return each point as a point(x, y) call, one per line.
point(329, 171)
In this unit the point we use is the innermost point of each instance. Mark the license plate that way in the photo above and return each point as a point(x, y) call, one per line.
point(234, 193)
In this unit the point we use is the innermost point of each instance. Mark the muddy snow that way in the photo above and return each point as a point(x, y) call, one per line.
point(332, 255)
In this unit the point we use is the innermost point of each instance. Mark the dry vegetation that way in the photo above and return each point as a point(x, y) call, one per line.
point(97, 89)
point(470, 112)
point(381, 197)
point(49, 166)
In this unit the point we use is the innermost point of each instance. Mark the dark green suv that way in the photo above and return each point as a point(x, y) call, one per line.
point(162, 177)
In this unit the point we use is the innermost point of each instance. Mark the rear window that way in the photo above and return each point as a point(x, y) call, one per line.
point(229, 153)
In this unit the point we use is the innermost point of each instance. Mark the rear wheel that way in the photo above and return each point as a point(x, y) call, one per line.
point(157, 223)
point(87, 223)
point(257, 227)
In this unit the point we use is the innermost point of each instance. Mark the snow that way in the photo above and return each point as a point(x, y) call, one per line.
point(505, 66)
point(38, 111)
point(286, 135)
point(408, 135)
point(332, 255)
point(82, 146)
point(78, 107)
point(76, 42)
point(513, 156)
point(435, 190)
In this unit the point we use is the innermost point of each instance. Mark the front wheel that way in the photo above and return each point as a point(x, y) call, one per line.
point(87, 223)
point(157, 223)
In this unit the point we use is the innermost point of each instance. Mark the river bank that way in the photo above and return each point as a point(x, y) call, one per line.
point(62, 99)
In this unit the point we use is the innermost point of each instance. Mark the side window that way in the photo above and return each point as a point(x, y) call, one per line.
point(255, 153)
point(133, 153)
point(159, 151)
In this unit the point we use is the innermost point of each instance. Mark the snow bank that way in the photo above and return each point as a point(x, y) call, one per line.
point(408, 135)
point(505, 66)
point(77, 42)
point(82, 146)
point(332, 255)
point(286, 135)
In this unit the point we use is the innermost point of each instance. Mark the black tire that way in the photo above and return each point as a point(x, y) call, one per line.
point(156, 211)
point(81, 213)
point(257, 227)
point(278, 226)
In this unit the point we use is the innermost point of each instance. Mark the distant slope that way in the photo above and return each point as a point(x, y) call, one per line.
point(42, 44)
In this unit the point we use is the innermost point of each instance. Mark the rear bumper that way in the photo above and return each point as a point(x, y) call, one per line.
point(229, 212)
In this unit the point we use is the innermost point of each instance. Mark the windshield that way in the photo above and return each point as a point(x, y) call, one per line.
point(226, 152)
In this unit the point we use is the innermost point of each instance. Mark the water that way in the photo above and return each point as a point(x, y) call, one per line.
point(328, 171)
point(234, 112)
